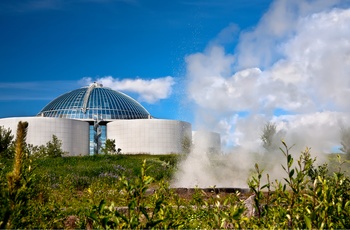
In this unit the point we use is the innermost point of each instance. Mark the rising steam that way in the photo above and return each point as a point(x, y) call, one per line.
point(292, 69)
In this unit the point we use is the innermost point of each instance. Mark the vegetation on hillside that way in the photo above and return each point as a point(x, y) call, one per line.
point(120, 191)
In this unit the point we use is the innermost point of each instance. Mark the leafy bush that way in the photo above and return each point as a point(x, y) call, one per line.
point(52, 149)
point(110, 147)
point(163, 209)
point(118, 191)
point(307, 198)
point(6, 143)
point(171, 159)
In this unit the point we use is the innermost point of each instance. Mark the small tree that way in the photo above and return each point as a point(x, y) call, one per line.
point(186, 144)
point(270, 137)
point(52, 149)
point(6, 143)
point(110, 147)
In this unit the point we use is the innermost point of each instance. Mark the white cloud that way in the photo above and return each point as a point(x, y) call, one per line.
point(297, 59)
point(260, 47)
point(149, 91)
point(319, 130)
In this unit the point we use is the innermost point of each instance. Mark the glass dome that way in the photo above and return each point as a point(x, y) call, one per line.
point(95, 101)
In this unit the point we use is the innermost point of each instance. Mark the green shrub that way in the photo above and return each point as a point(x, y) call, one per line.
point(110, 147)
point(308, 197)
point(6, 143)
point(119, 191)
point(52, 149)
point(16, 196)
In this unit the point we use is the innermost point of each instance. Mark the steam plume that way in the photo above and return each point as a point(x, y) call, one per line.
point(292, 69)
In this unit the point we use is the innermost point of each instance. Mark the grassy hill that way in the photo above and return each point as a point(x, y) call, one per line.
point(111, 191)
point(85, 170)
point(63, 186)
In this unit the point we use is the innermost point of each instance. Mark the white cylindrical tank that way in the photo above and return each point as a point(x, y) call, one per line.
point(152, 136)
point(74, 134)
point(209, 142)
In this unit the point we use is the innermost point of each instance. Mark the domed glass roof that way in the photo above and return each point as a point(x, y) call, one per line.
point(94, 101)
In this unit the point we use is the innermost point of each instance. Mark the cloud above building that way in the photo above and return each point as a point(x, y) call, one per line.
point(293, 68)
point(148, 90)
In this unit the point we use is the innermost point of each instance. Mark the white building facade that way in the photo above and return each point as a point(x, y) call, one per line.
point(85, 118)
point(74, 134)
point(153, 136)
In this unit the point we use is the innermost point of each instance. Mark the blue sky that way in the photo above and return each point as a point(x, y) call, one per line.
point(48, 47)
point(228, 66)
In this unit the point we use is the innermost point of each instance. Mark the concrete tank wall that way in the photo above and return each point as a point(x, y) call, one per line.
point(74, 134)
point(153, 136)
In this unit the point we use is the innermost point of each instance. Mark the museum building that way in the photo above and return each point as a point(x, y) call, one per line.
point(85, 118)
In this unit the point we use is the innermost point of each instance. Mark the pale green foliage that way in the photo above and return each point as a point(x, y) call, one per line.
point(270, 137)
point(16, 196)
point(307, 198)
point(163, 209)
point(52, 149)
point(110, 147)
point(135, 200)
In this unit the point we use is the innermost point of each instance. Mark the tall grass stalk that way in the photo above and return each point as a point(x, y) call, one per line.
point(16, 184)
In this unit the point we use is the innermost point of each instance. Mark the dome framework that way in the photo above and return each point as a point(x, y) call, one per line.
point(94, 101)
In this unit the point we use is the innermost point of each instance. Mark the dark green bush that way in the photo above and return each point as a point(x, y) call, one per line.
point(6, 143)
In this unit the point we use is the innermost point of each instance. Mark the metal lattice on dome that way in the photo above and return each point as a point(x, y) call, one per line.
point(96, 100)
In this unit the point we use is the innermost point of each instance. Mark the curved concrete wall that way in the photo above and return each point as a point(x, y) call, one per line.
point(153, 136)
point(74, 134)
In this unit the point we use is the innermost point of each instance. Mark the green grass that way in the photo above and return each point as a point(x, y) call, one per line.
point(82, 171)
point(65, 186)
point(90, 190)
point(85, 170)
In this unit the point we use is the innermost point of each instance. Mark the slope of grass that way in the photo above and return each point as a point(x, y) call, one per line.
point(82, 171)
point(64, 186)
point(113, 192)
